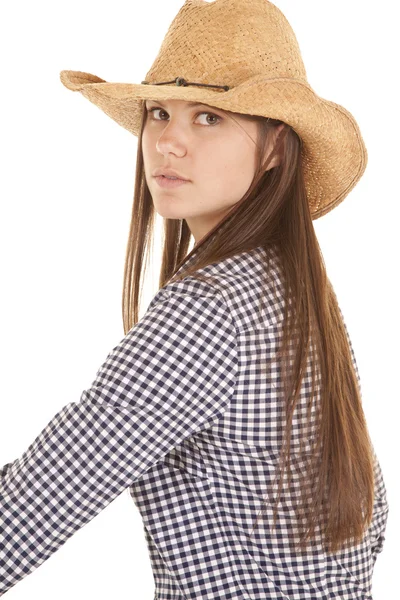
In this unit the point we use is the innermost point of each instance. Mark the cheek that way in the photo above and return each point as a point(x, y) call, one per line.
point(236, 168)
point(145, 143)
point(149, 140)
point(226, 184)
point(147, 155)
point(226, 156)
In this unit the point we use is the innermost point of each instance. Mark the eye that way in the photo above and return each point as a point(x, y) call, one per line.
point(155, 108)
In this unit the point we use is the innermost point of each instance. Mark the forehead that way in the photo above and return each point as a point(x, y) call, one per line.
point(184, 104)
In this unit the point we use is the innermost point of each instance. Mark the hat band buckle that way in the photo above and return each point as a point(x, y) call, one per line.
point(183, 82)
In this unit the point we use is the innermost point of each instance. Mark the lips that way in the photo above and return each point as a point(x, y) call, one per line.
point(167, 172)
point(165, 182)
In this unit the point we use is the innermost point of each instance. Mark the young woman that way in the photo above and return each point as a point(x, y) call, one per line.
point(232, 409)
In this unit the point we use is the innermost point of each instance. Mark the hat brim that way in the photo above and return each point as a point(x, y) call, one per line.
point(123, 101)
point(334, 153)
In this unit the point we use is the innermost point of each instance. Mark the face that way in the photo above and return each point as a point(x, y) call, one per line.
point(208, 148)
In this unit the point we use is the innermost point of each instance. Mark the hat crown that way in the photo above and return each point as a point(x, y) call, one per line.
point(227, 42)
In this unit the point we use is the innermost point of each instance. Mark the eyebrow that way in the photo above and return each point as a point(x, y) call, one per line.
point(189, 104)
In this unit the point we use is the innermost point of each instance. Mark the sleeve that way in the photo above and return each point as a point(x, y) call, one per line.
point(380, 512)
point(172, 375)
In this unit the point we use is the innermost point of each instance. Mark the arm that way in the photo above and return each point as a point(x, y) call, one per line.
point(172, 375)
point(380, 513)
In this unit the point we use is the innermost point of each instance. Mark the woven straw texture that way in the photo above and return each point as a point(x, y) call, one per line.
point(249, 46)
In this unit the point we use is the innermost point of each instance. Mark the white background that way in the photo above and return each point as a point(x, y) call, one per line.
point(66, 186)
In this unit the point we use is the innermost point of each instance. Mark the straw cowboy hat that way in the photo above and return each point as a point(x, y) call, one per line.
point(242, 56)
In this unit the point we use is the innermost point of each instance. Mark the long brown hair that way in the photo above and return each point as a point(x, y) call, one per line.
point(337, 488)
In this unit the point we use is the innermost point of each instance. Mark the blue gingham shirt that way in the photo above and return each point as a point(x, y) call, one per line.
point(182, 413)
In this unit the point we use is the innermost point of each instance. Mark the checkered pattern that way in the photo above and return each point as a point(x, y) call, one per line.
point(183, 413)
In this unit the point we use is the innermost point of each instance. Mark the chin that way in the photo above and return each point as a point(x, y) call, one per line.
point(169, 212)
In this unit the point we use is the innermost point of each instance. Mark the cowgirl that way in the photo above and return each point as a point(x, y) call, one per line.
point(232, 410)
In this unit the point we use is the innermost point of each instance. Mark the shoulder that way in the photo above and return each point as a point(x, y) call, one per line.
point(239, 283)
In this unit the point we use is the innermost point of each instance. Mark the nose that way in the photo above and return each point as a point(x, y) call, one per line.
point(172, 139)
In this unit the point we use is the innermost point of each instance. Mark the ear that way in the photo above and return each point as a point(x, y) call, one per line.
point(273, 135)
